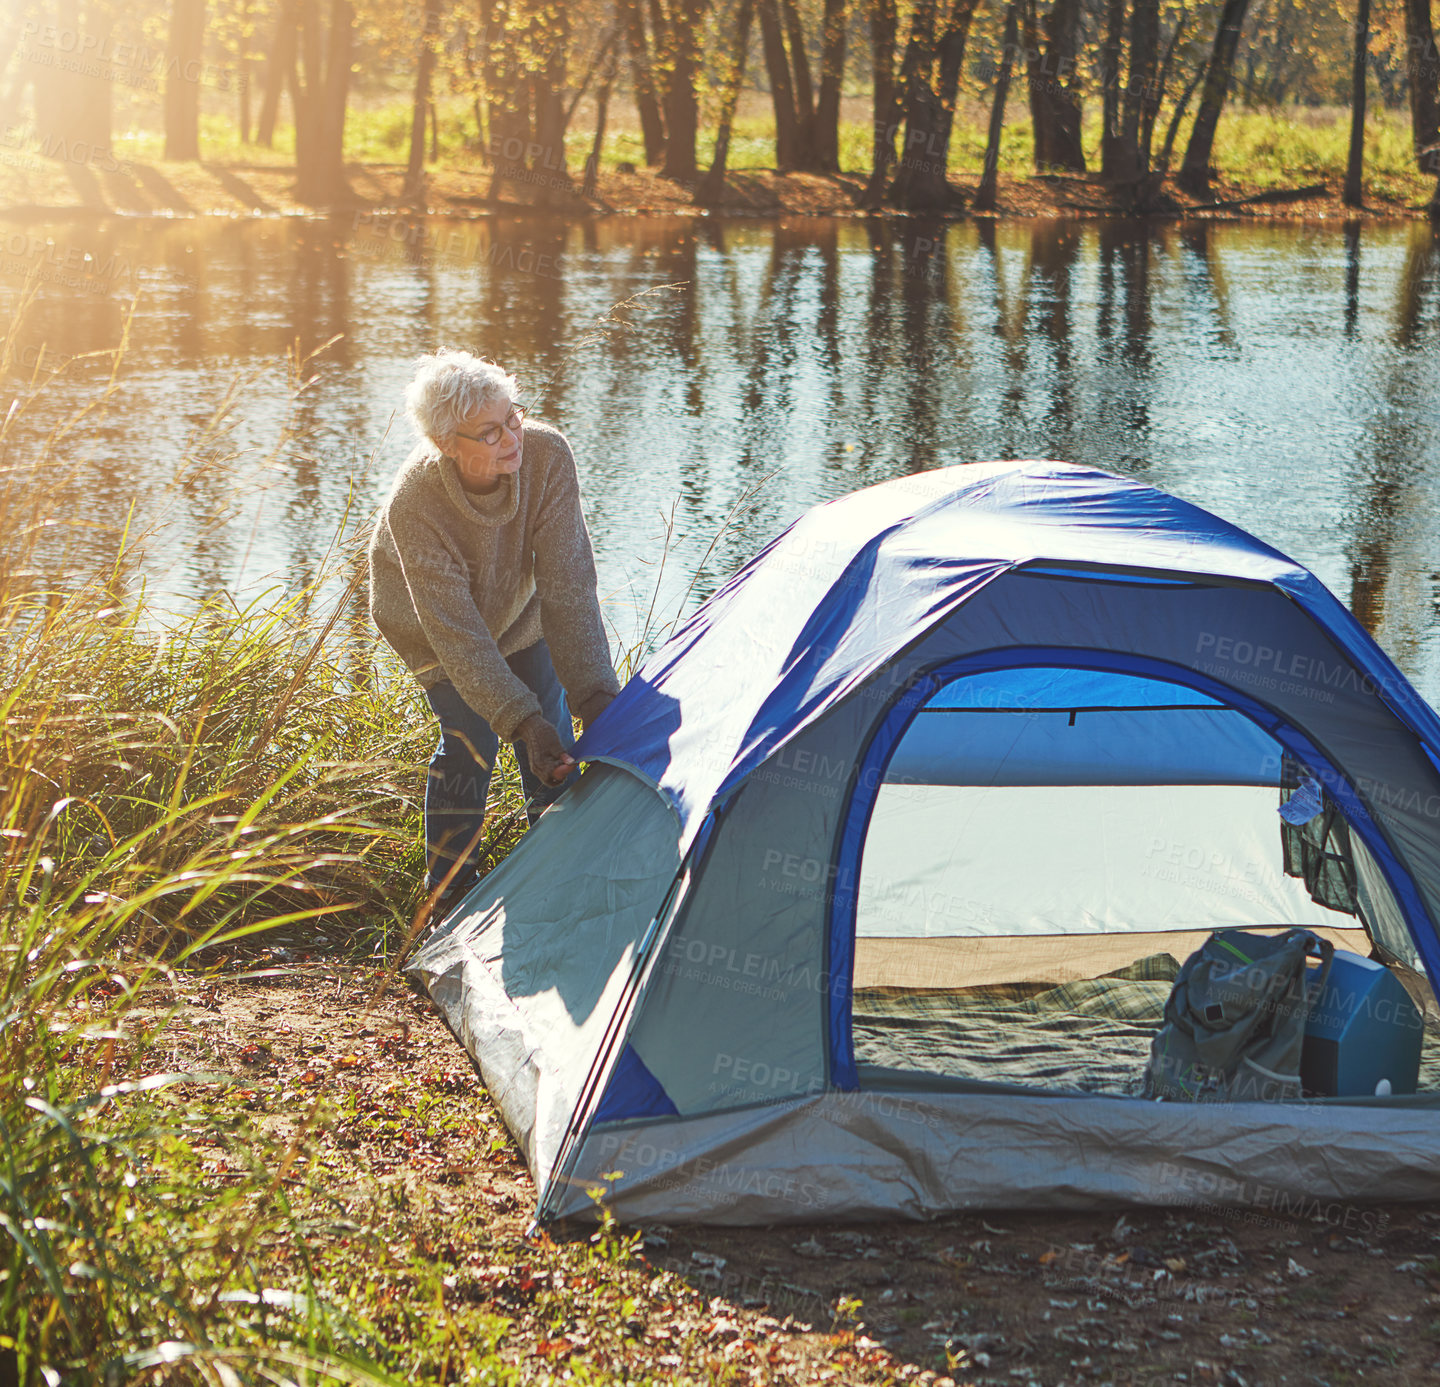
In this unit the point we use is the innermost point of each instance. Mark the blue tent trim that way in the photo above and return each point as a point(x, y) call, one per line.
point(1039, 690)
point(633, 1091)
point(843, 1073)
point(870, 774)
point(803, 619)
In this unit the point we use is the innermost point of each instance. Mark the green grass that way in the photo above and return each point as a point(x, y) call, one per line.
point(1276, 149)
point(175, 787)
point(171, 786)
point(1260, 149)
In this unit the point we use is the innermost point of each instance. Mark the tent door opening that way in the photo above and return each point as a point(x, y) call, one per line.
point(1046, 847)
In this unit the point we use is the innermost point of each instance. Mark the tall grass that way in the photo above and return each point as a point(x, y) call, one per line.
point(173, 788)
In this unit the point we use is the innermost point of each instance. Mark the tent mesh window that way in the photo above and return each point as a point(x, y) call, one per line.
point(1318, 849)
point(1046, 849)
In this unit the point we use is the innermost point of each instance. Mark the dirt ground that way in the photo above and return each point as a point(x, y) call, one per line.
point(1324, 1295)
point(32, 185)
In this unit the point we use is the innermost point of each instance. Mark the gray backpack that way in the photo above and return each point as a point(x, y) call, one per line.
point(1235, 1018)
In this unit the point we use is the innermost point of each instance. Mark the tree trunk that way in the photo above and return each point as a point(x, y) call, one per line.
point(601, 63)
point(804, 87)
point(1113, 165)
point(424, 67)
point(1034, 85)
point(322, 90)
point(1151, 109)
point(990, 176)
point(551, 41)
point(337, 96)
point(921, 182)
point(183, 56)
point(306, 100)
point(911, 98)
point(642, 78)
point(682, 106)
point(788, 144)
point(1142, 96)
point(1057, 102)
point(1194, 174)
point(279, 68)
point(244, 98)
point(1354, 193)
point(507, 92)
point(1176, 116)
point(884, 26)
point(1422, 71)
point(73, 107)
point(713, 188)
point(832, 78)
point(602, 107)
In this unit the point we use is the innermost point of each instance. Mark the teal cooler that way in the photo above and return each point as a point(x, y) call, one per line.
point(1362, 1029)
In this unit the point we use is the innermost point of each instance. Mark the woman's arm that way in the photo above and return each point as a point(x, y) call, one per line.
point(566, 581)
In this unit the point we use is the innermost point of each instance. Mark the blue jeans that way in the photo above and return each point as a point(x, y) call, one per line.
point(458, 781)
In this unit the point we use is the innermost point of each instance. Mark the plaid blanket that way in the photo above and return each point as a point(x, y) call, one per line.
point(1093, 1034)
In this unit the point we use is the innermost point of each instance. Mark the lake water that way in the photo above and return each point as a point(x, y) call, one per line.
point(716, 377)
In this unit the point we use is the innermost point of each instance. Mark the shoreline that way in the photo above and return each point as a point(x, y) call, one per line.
point(251, 191)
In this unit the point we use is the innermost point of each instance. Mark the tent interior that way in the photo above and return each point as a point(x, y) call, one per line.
point(1048, 845)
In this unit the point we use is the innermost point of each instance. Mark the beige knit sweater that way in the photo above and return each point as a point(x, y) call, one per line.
point(459, 580)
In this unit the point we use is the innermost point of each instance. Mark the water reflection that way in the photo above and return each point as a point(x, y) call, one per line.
point(1284, 376)
point(1392, 505)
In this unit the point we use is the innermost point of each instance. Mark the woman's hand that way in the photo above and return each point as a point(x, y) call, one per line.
point(593, 706)
point(548, 757)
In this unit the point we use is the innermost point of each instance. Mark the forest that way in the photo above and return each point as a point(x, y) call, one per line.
point(1126, 91)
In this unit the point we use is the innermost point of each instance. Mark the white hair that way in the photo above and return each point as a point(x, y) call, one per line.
point(450, 386)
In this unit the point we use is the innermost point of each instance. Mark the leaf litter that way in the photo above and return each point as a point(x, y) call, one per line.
point(437, 1202)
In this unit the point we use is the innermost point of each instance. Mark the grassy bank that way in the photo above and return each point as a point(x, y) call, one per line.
point(1256, 152)
point(182, 795)
point(1266, 148)
point(234, 1146)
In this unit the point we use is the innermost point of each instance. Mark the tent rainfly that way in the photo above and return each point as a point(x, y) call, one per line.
point(869, 899)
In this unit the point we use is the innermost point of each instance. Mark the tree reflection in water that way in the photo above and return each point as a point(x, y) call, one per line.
point(1282, 375)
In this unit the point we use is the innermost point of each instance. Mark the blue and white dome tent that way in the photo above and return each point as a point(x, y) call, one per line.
point(871, 895)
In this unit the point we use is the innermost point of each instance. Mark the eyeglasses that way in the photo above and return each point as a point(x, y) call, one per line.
point(496, 432)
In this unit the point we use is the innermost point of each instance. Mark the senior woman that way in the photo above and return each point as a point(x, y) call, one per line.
point(482, 579)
